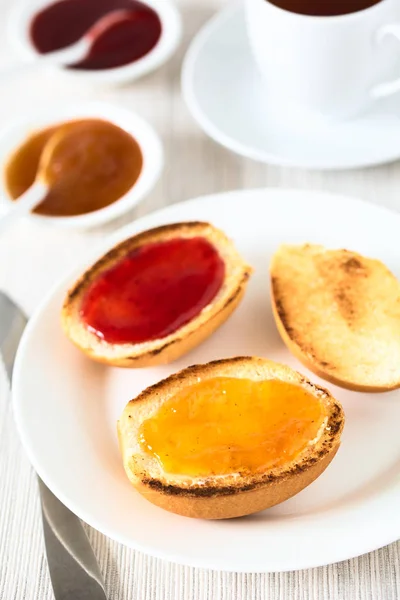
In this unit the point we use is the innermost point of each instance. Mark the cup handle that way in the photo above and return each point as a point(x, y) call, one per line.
point(388, 87)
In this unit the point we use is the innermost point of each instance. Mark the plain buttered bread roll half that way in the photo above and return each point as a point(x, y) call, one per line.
point(339, 313)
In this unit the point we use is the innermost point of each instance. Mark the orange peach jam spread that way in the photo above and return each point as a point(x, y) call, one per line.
point(227, 425)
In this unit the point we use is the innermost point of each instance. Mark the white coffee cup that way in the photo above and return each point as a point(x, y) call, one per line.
point(332, 66)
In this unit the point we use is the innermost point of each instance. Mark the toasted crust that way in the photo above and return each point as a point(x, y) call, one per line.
point(234, 495)
point(170, 348)
point(339, 314)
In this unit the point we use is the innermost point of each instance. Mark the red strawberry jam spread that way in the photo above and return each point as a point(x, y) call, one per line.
point(64, 22)
point(153, 291)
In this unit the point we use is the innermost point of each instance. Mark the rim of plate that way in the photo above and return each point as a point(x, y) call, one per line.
point(353, 548)
point(214, 132)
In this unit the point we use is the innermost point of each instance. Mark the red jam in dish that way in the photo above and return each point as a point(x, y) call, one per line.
point(65, 22)
point(153, 291)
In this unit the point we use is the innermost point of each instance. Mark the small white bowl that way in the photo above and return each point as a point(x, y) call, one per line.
point(153, 157)
point(18, 33)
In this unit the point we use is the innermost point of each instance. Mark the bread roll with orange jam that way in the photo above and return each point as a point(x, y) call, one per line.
point(156, 295)
point(228, 438)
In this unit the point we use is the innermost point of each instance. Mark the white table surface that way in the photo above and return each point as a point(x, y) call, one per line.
point(33, 257)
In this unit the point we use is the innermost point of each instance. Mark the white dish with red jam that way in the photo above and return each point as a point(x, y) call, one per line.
point(130, 49)
point(67, 406)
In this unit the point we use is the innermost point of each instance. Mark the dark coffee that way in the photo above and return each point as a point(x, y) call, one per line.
point(324, 8)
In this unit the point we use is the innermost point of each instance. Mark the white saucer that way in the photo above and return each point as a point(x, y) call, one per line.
point(227, 97)
point(66, 406)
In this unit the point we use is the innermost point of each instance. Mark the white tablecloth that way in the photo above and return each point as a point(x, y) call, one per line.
point(32, 257)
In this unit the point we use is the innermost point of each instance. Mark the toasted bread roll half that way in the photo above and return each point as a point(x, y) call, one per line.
point(170, 347)
point(237, 489)
point(339, 313)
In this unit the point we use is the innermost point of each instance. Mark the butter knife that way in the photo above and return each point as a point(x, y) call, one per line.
point(74, 571)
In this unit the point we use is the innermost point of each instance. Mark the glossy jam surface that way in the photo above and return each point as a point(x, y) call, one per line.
point(227, 425)
point(153, 291)
point(63, 23)
point(93, 164)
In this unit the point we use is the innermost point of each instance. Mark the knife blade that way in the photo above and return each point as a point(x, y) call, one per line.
point(74, 571)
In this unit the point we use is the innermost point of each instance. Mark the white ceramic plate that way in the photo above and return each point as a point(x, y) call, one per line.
point(66, 406)
point(226, 95)
point(12, 136)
